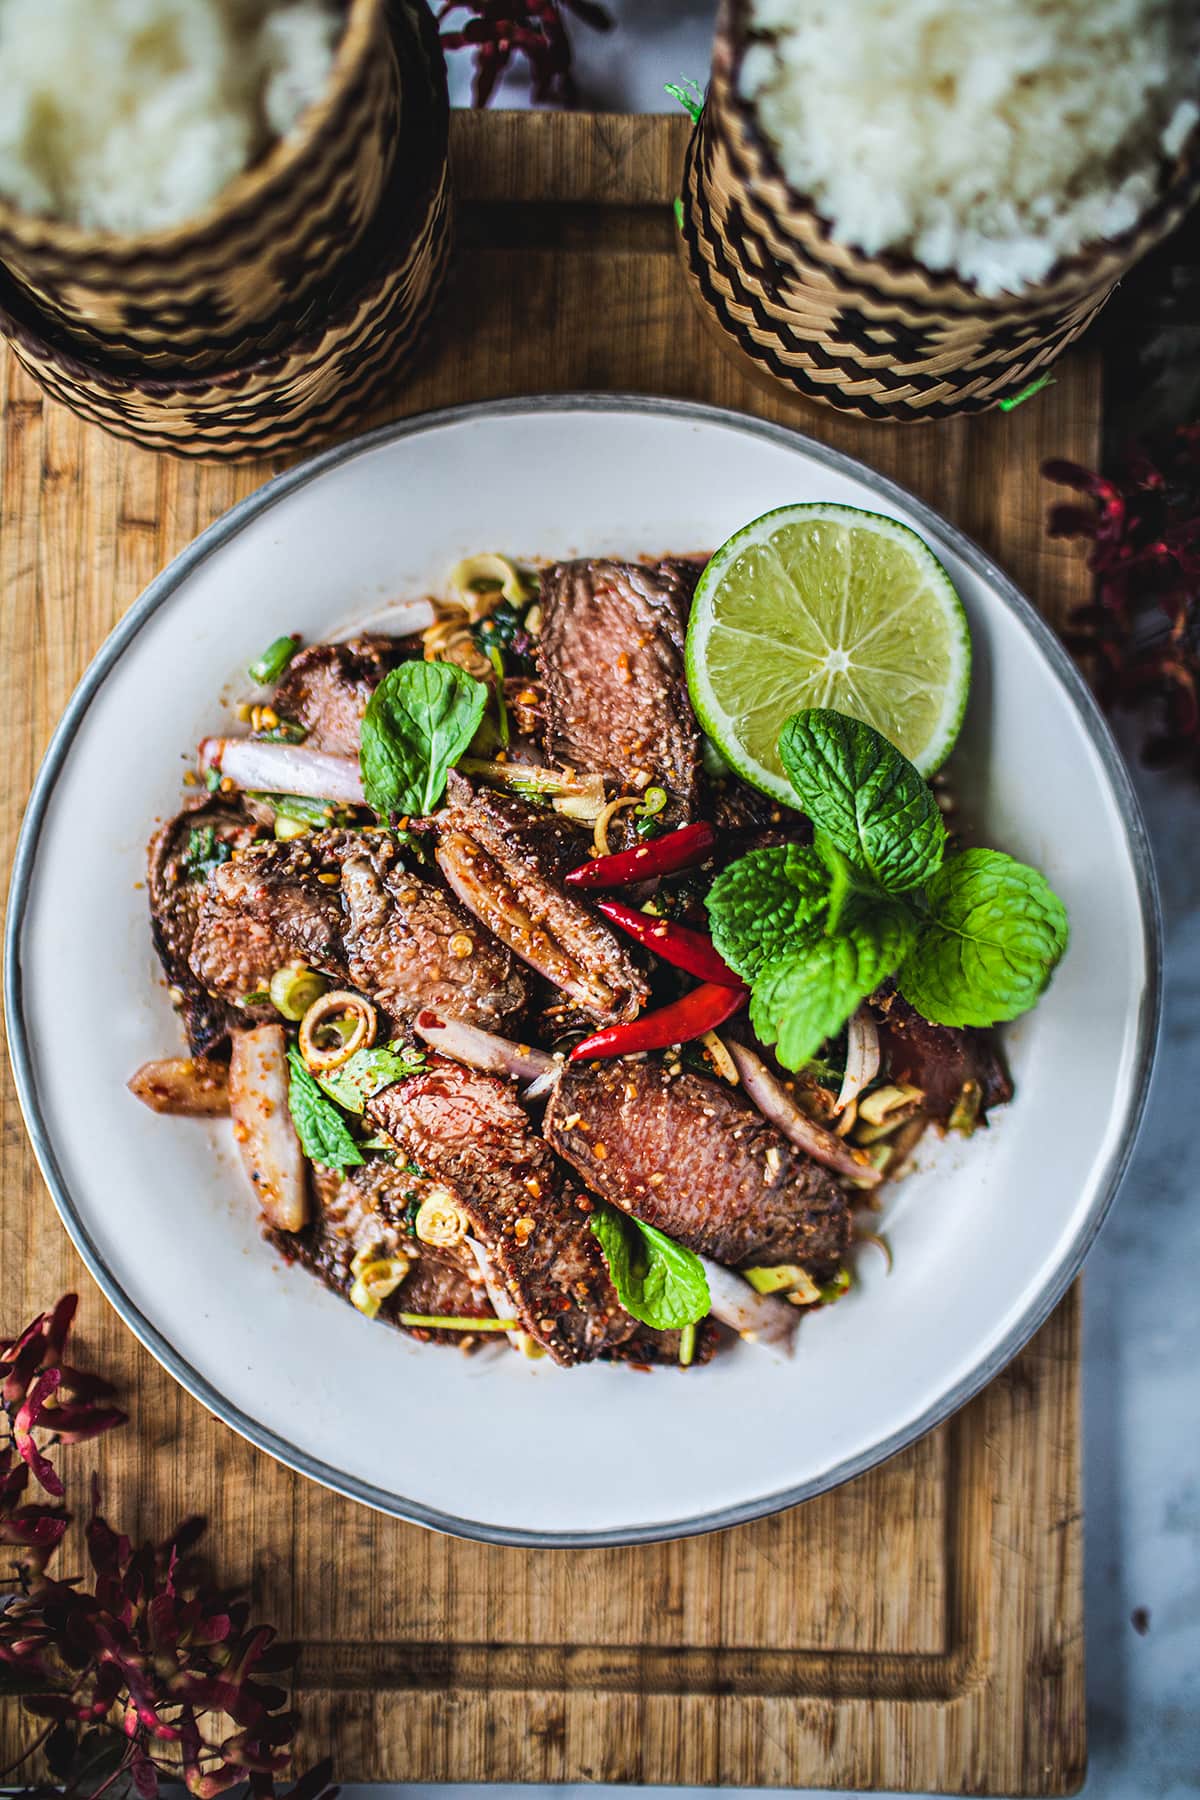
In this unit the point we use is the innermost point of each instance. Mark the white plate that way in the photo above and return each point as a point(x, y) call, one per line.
point(986, 1236)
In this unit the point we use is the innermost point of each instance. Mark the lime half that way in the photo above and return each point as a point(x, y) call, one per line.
point(827, 606)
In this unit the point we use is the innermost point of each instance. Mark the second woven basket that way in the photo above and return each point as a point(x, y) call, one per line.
point(880, 336)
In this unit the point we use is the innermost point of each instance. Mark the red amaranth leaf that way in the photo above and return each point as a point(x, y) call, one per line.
point(23, 1427)
point(498, 30)
point(1143, 628)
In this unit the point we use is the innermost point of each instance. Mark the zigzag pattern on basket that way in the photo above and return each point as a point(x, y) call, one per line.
point(328, 375)
point(881, 337)
point(241, 284)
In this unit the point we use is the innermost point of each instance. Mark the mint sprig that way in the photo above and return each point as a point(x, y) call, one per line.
point(972, 938)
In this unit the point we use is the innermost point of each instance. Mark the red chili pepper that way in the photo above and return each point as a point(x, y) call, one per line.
point(661, 856)
point(675, 944)
point(701, 1010)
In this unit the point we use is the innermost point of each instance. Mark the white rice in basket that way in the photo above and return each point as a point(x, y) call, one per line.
point(986, 136)
point(131, 115)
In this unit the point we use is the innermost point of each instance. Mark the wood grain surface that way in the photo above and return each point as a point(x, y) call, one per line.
point(920, 1628)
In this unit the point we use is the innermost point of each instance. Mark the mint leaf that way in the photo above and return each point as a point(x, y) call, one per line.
point(364, 1073)
point(762, 901)
point(804, 997)
point(995, 932)
point(324, 1137)
point(418, 722)
point(657, 1280)
point(868, 798)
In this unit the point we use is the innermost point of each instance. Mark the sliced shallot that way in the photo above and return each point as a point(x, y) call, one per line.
point(776, 1104)
point(483, 1049)
point(284, 769)
point(188, 1086)
point(862, 1057)
point(262, 1125)
point(758, 1318)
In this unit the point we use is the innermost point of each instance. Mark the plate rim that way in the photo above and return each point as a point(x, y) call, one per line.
point(163, 587)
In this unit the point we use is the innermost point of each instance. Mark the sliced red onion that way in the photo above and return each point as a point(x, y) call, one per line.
point(186, 1086)
point(545, 1083)
point(776, 1105)
point(758, 1318)
point(501, 1302)
point(483, 1049)
point(862, 1057)
point(284, 769)
point(262, 1125)
point(403, 618)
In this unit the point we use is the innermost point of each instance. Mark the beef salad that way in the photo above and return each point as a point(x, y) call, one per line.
point(535, 1021)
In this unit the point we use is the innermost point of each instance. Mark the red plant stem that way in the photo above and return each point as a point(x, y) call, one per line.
point(680, 849)
point(675, 944)
point(701, 1010)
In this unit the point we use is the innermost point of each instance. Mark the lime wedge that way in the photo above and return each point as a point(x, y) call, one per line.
point(826, 606)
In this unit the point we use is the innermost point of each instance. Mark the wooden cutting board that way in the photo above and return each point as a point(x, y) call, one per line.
point(919, 1629)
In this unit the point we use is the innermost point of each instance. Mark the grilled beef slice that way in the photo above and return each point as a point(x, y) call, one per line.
point(176, 882)
point(468, 1131)
point(342, 902)
point(267, 908)
point(366, 1210)
point(326, 687)
point(939, 1059)
point(610, 658)
point(505, 861)
point(690, 1156)
point(409, 944)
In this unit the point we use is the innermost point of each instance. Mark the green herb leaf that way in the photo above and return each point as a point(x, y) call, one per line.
point(418, 722)
point(805, 996)
point(994, 935)
point(657, 1280)
point(320, 814)
point(689, 94)
point(323, 1133)
point(867, 798)
point(367, 1071)
point(274, 660)
point(205, 852)
point(764, 900)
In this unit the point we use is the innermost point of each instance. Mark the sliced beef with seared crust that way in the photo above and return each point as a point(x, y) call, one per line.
point(691, 1157)
point(365, 1212)
point(939, 1059)
point(277, 903)
point(505, 861)
point(410, 945)
point(610, 658)
point(326, 689)
point(177, 885)
point(468, 1131)
point(343, 903)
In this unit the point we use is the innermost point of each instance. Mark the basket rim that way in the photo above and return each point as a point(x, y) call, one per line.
point(1181, 187)
point(243, 194)
point(416, 45)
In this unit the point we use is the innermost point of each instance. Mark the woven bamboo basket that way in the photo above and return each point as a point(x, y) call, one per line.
point(882, 336)
point(240, 278)
point(328, 375)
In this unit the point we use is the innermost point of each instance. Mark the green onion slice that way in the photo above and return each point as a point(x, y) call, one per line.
point(274, 660)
